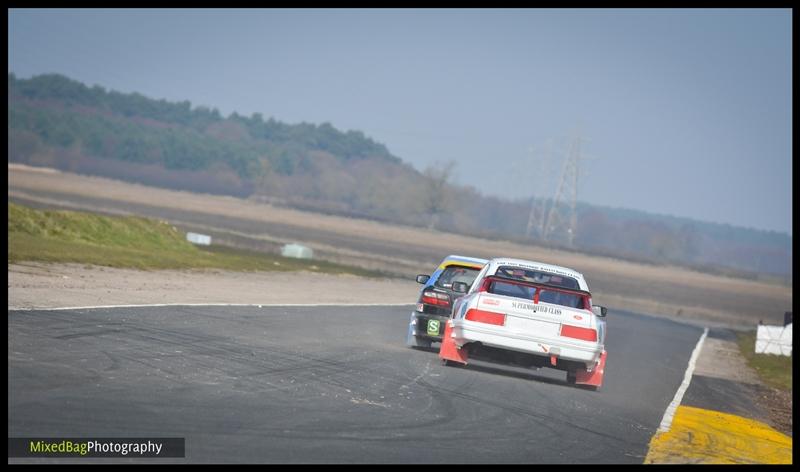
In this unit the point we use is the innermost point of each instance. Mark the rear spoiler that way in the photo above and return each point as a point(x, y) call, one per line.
point(558, 288)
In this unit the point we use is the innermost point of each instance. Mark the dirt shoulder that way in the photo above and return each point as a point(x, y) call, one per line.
point(36, 285)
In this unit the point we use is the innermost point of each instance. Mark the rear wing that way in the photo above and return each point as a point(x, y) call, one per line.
point(557, 288)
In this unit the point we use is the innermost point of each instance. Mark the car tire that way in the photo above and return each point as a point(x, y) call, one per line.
point(421, 343)
point(571, 378)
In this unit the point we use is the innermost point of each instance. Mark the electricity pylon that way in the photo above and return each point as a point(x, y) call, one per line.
point(538, 212)
point(562, 220)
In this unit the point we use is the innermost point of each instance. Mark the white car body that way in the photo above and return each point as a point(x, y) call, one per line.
point(569, 338)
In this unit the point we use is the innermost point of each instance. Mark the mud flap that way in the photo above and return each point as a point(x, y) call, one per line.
point(595, 377)
point(448, 350)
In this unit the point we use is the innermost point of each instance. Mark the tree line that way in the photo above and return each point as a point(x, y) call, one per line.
point(56, 121)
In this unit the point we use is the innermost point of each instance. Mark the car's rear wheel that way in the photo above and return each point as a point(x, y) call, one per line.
point(571, 377)
point(421, 342)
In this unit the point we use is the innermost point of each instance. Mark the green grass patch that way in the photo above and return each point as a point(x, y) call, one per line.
point(135, 242)
point(775, 371)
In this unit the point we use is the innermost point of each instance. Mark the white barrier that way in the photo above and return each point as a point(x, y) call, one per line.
point(196, 238)
point(298, 251)
point(774, 340)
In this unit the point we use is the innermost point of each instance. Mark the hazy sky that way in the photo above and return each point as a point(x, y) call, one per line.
point(683, 112)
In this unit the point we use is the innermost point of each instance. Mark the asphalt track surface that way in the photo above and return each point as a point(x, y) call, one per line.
point(326, 385)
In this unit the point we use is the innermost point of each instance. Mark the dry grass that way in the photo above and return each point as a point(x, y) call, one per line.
point(134, 242)
point(774, 370)
point(662, 290)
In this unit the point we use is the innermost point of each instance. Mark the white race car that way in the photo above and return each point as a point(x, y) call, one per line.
point(531, 314)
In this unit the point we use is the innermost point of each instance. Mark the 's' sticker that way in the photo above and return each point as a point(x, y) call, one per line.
point(433, 327)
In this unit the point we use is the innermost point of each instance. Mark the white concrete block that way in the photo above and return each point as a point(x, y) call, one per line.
point(776, 340)
point(298, 251)
point(196, 238)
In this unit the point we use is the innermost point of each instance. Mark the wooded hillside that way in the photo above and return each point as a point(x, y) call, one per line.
point(58, 122)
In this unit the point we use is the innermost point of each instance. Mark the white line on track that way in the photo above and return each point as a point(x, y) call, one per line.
point(666, 421)
point(260, 305)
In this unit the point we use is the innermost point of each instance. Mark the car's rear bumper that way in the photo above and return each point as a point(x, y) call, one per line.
point(418, 325)
point(465, 331)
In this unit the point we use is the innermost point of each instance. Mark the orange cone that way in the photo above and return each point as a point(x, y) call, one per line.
point(448, 350)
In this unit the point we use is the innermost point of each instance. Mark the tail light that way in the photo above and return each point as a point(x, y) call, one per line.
point(489, 317)
point(587, 334)
point(435, 298)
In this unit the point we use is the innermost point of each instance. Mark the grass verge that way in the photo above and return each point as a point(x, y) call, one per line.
point(774, 370)
point(135, 242)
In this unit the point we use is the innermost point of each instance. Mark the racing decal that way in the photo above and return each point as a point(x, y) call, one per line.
point(550, 269)
point(536, 308)
point(433, 327)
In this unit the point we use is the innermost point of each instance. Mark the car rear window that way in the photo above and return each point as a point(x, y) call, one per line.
point(571, 300)
point(528, 275)
point(456, 273)
point(511, 289)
